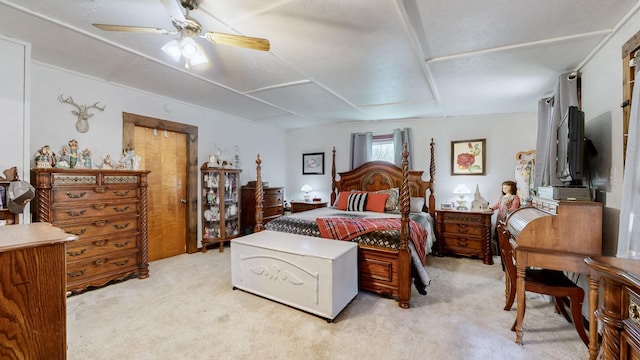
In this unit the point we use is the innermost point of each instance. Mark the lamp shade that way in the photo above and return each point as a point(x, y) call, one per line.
point(306, 188)
point(461, 189)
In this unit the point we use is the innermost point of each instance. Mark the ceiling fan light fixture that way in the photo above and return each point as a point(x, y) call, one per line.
point(173, 49)
point(189, 48)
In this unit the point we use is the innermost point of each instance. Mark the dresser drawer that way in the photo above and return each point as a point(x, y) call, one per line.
point(272, 211)
point(461, 242)
point(462, 229)
point(273, 198)
point(85, 248)
point(96, 266)
point(93, 193)
point(88, 210)
point(101, 227)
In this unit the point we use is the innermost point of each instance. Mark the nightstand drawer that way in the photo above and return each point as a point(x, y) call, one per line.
point(461, 242)
point(462, 229)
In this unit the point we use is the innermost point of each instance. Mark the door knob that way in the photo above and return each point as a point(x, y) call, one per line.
point(184, 201)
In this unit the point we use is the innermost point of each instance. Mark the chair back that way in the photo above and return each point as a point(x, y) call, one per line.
point(506, 251)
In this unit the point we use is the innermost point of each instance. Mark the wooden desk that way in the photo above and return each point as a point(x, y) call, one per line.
point(33, 297)
point(556, 235)
point(528, 257)
point(619, 311)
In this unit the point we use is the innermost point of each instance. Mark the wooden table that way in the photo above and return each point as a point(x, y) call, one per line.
point(555, 260)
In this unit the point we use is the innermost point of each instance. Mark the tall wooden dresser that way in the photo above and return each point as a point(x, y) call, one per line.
point(107, 210)
point(272, 208)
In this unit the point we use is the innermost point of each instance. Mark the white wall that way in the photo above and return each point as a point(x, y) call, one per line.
point(15, 65)
point(53, 124)
point(505, 134)
point(602, 93)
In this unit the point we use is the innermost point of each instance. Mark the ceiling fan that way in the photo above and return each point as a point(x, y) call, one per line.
point(189, 28)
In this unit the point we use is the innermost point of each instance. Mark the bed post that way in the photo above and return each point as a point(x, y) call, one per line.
point(333, 178)
point(432, 189)
point(404, 257)
point(259, 197)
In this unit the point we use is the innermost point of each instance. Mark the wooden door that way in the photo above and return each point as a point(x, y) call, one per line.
point(164, 153)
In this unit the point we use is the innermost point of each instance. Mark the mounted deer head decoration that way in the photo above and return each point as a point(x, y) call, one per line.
point(82, 124)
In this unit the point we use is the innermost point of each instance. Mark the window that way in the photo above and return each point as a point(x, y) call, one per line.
point(382, 148)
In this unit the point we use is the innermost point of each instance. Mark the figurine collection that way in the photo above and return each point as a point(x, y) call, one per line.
point(70, 157)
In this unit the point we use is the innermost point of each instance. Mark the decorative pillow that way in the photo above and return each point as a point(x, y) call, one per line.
point(417, 203)
point(357, 201)
point(376, 202)
point(392, 201)
point(341, 202)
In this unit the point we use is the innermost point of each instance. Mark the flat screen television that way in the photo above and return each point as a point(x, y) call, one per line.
point(570, 155)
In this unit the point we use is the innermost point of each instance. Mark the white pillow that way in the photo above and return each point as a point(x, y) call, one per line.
point(417, 203)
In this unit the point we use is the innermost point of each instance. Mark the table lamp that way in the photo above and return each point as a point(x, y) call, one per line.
point(461, 190)
point(306, 188)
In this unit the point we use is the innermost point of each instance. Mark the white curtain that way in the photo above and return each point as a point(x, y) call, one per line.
point(400, 137)
point(360, 148)
point(629, 245)
point(566, 95)
point(545, 108)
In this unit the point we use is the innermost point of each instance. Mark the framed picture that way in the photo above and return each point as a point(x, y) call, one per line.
point(313, 164)
point(468, 157)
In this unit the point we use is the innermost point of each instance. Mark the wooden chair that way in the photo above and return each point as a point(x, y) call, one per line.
point(542, 281)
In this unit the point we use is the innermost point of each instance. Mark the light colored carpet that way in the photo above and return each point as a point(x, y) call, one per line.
point(187, 309)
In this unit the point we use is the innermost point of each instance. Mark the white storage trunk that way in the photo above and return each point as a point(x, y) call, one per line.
point(316, 275)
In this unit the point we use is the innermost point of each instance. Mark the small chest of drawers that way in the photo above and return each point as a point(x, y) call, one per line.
point(272, 207)
point(464, 233)
point(107, 210)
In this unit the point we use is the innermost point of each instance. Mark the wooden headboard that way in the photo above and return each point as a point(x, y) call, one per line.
point(381, 175)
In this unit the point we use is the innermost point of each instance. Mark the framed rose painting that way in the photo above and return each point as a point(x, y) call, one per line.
point(468, 157)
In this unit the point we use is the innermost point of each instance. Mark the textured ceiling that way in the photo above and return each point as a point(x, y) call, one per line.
point(331, 60)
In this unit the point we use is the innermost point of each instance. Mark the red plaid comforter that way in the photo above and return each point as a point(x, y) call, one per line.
point(340, 228)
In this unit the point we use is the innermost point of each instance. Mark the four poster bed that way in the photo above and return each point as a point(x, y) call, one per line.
point(392, 243)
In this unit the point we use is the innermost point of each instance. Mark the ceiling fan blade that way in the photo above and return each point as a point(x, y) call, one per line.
point(174, 8)
point(238, 40)
point(126, 28)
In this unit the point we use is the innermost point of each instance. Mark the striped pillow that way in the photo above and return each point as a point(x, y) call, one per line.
point(357, 202)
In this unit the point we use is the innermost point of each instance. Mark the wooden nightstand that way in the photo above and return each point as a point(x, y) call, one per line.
point(299, 206)
point(464, 233)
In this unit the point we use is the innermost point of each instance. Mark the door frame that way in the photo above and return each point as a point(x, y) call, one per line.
point(130, 121)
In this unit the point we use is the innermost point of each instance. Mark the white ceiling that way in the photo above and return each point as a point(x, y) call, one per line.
point(331, 60)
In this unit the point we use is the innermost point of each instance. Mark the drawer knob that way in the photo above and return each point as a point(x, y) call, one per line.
point(100, 223)
point(121, 209)
point(121, 193)
point(100, 189)
point(634, 312)
point(77, 273)
point(122, 244)
point(77, 233)
point(121, 263)
point(74, 213)
point(99, 242)
point(76, 253)
point(71, 195)
point(120, 227)
point(99, 206)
